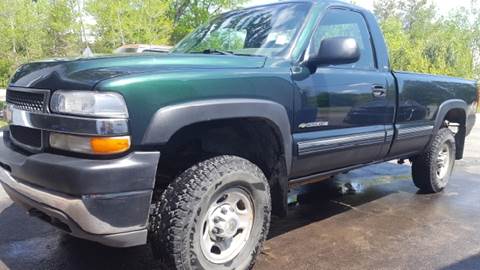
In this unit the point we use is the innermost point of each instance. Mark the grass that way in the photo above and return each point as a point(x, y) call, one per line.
point(2, 123)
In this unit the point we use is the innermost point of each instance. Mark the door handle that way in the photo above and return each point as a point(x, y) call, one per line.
point(379, 91)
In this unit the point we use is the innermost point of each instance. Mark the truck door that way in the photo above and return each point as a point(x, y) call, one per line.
point(341, 111)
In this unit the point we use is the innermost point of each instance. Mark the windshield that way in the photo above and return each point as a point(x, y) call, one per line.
point(264, 31)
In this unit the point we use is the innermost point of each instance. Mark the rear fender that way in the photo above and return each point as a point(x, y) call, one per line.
point(443, 110)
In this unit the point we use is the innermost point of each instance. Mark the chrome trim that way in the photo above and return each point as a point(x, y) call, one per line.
point(326, 144)
point(67, 124)
point(411, 132)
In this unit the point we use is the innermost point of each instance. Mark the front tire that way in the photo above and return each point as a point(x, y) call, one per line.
point(431, 171)
point(215, 215)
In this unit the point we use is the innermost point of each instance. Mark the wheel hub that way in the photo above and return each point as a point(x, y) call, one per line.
point(224, 222)
point(227, 225)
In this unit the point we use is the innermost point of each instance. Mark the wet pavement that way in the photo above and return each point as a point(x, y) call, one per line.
point(372, 218)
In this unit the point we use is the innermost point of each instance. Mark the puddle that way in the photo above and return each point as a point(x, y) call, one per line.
point(351, 183)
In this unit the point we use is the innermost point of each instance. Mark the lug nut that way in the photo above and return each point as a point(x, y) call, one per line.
point(217, 219)
point(224, 210)
point(217, 230)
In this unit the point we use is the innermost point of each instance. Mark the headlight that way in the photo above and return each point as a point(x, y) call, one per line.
point(90, 145)
point(88, 103)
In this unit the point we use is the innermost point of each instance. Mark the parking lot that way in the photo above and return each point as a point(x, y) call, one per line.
point(372, 218)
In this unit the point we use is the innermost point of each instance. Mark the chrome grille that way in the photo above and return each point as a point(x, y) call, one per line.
point(26, 100)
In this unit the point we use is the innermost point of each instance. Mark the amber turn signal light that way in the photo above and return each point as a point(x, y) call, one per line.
point(110, 145)
point(90, 145)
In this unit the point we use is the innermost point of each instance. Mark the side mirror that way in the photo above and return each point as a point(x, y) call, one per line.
point(336, 51)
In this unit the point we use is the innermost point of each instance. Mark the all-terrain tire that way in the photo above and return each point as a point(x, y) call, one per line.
point(425, 167)
point(176, 220)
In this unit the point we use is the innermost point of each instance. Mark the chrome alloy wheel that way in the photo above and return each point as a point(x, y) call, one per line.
point(227, 225)
point(443, 161)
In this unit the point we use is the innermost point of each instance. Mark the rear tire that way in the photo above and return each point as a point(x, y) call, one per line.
point(431, 171)
point(215, 215)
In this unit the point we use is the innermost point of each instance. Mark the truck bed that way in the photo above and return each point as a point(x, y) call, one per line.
point(419, 99)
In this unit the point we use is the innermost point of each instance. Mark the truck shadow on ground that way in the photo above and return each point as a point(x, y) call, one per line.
point(45, 248)
point(472, 262)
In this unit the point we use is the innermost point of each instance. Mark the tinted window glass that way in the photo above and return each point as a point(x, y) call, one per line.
point(267, 31)
point(344, 23)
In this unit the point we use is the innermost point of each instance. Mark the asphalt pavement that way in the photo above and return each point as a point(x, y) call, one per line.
point(371, 218)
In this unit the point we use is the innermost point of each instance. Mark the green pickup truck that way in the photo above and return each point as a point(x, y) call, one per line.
point(192, 151)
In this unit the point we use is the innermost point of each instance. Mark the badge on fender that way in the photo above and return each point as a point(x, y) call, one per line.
point(314, 124)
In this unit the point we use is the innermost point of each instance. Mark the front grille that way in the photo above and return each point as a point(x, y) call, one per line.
point(27, 101)
point(24, 136)
point(32, 100)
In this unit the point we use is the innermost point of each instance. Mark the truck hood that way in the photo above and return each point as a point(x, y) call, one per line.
point(85, 73)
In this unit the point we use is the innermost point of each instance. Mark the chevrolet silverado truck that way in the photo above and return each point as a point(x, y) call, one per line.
point(192, 151)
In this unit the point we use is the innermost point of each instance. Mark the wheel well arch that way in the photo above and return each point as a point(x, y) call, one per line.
point(454, 111)
point(254, 139)
point(238, 136)
point(257, 130)
point(169, 120)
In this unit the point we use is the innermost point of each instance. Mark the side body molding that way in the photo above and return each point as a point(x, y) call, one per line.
point(168, 120)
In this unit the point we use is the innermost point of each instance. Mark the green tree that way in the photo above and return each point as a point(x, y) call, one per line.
point(21, 34)
point(386, 9)
point(422, 41)
point(120, 22)
point(62, 30)
point(186, 15)
point(475, 9)
point(33, 30)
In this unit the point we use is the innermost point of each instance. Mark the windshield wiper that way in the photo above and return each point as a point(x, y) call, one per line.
point(215, 51)
point(249, 54)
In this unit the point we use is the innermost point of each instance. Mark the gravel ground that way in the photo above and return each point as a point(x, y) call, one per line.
point(385, 224)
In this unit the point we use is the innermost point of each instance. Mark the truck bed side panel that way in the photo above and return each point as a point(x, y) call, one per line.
point(420, 101)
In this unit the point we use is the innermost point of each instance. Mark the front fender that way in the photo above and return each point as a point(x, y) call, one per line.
point(170, 119)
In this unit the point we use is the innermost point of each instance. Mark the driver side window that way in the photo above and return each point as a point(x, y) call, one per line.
point(346, 23)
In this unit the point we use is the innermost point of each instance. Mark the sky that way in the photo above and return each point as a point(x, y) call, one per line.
point(444, 6)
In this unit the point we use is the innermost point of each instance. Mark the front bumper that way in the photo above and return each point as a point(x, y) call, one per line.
point(106, 201)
